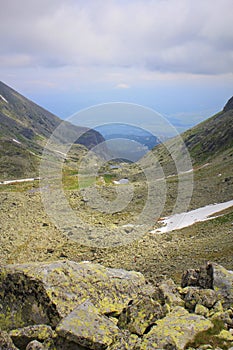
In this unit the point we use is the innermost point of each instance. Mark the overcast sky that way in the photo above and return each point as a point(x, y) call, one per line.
point(175, 56)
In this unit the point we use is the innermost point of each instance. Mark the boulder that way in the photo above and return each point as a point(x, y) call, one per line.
point(21, 337)
point(211, 276)
point(87, 327)
point(35, 345)
point(202, 277)
point(169, 293)
point(129, 342)
point(6, 342)
point(223, 284)
point(44, 293)
point(175, 330)
point(140, 314)
point(193, 296)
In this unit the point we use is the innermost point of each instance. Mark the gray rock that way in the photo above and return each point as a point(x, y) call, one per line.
point(194, 296)
point(211, 276)
point(22, 336)
point(169, 293)
point(44, 293)
point(175, 330)
point(87, 327)
point(223, 284)
point(35, 345)
point(202, 277)
point(6, 342)
point(140, 314)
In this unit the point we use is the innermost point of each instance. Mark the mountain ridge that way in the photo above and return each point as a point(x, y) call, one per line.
point(24, 130)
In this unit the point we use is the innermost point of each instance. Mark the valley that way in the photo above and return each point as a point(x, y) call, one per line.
point(87, 242)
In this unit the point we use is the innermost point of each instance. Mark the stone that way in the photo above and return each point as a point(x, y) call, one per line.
point(6, 342)
point(87, 327)
point(225, 335)
point(44, 293)
point(201, 310)
point(194, 295)
point(169, 293)
point(22, 336)
point(223, 284)
point(140, 314)
point(129, 342)
point(202, 277)
point(35, 345)
point(211, 276)
point(225, 317)
point(175, 330)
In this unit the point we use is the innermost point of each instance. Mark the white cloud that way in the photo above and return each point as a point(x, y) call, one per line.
point(158, 35)
point(122, 86)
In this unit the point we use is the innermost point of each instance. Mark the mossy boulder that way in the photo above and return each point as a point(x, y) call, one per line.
point(87, 327)
point(223, 284)
point(169, 293)
point(175, 330)
point(35, 345)
point(6, 342)
point(22, 336)
point(140, 314)
point(44, 293)
point(211, 276)
point(193, 296)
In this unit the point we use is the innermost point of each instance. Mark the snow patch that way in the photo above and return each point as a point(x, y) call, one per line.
point(3, 98)
point(16, 141)
point(178, 221)
point(62, 153)
point(6, 182)
point(121, 182)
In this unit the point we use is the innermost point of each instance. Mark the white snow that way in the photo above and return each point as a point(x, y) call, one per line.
point(64, 154)
point(121, 182)
point(6, 182)
point(16, 141)
point(178, 221)
point(3, 98)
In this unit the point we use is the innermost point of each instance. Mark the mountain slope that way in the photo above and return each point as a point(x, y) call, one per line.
point(24, 130)
point(204, 142)
point(210, 146)
point(211, 137)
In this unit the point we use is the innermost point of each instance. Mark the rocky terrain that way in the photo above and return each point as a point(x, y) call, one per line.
point(128, 296)
point(67, 305)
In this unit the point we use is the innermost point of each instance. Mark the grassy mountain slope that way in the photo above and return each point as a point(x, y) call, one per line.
point(211, 137)
point(25, 128)
point(210, 146)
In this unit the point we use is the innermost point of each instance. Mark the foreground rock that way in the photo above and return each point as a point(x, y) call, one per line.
point(212, 276)
point(87, 327)
point(176, 330)
point(44, 293)
point(72, 306)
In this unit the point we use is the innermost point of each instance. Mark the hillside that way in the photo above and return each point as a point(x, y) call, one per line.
point(25, 128)
point(212, 136)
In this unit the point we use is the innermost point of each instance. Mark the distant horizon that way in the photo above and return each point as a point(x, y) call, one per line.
point(179, 119)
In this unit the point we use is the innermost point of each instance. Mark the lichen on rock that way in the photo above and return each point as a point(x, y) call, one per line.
point(177, 329)
point(44, 293)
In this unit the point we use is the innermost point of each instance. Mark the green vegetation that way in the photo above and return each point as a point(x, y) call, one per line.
point(211, 337)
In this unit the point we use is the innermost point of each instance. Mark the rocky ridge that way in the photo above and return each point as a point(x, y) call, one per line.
point(67, 305)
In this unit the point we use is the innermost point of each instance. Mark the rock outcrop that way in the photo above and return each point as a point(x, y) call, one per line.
point(229, 105)
point(65, 305)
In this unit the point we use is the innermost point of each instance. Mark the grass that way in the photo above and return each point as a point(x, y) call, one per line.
point(209, 337)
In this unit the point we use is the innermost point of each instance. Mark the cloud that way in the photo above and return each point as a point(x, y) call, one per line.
point(122, 86)
point(176, 36)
